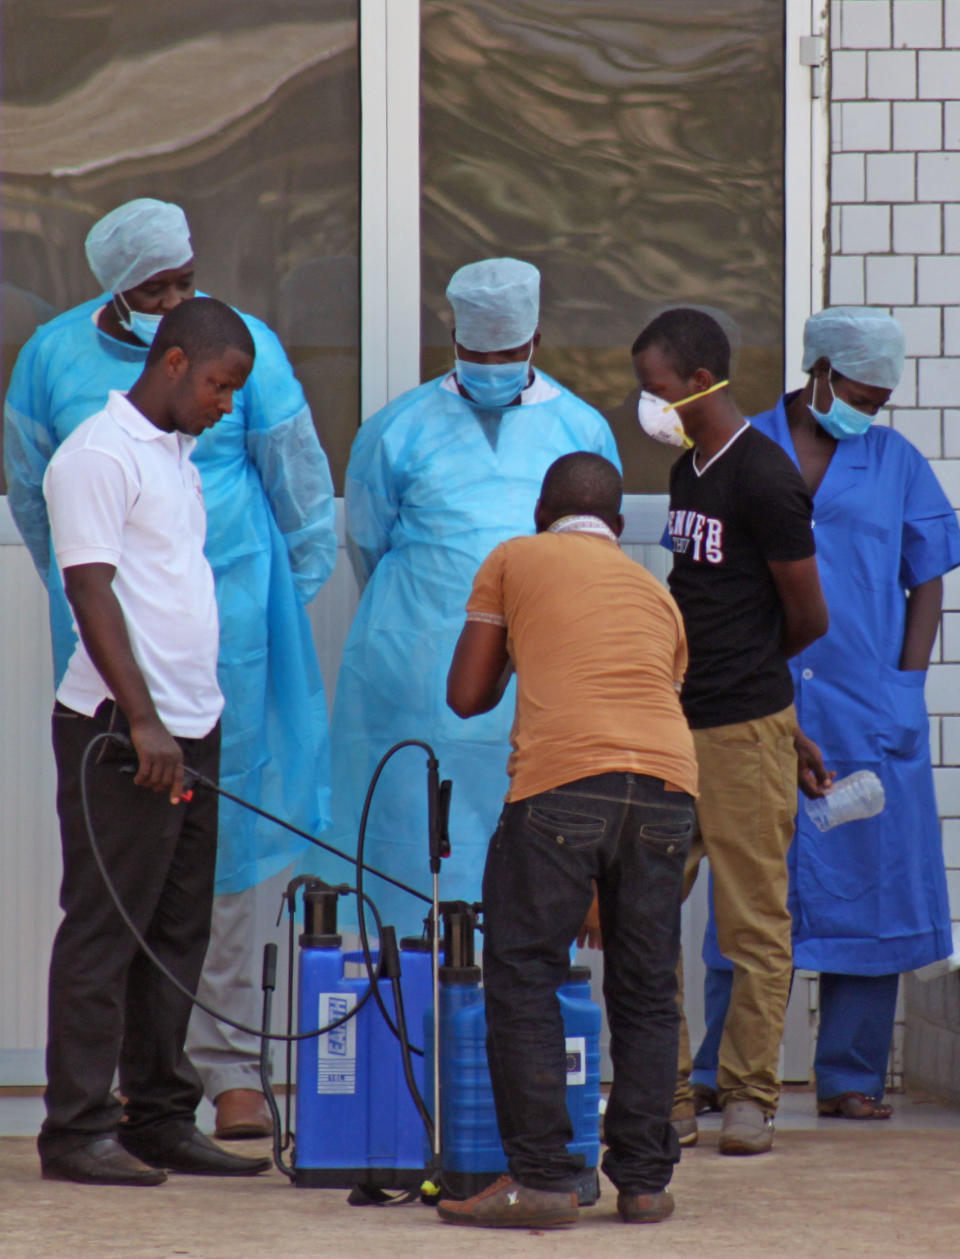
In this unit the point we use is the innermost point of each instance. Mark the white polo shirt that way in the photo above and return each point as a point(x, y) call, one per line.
point(121, 491)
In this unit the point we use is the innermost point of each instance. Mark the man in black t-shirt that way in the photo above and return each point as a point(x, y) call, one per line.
point(727, 522)
point(745, 577)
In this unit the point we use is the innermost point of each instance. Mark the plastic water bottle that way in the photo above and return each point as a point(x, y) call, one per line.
point(857, 796)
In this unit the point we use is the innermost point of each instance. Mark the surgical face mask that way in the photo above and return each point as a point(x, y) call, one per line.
point(660, 419)
point(842, 421)
point(493, 384)
point(141, 325)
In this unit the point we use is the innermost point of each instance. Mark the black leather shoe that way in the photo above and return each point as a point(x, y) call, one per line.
point(197, 1155)
point(100, 1162)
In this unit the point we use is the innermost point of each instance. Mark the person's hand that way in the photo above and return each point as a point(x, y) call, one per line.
point(589, 933)
point(160, 759)
point(813, 778)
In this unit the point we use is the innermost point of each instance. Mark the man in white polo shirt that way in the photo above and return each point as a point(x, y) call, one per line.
point(128, 524)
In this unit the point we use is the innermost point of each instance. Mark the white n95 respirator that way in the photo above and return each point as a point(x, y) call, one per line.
point(661, 420)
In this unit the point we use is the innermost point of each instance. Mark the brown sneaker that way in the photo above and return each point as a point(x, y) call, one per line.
point(684, 1122)
point(242, 1113)
point(507, 1204)
point(645, 1208)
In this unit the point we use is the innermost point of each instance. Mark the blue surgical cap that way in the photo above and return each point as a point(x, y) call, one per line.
point(861, 343)
point(135, 241)
point(496, 304)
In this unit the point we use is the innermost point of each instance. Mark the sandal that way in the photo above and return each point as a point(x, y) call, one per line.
point(854, 1106)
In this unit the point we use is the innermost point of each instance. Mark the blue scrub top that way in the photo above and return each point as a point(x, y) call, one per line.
point(270, 542)
point(870, 897)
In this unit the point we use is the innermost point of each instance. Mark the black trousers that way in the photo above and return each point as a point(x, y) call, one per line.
point(628, 833)
point(108, 1005)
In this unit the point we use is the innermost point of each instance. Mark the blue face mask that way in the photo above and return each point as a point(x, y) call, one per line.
point(493, 384)
point(842, 421)
point(141, 325)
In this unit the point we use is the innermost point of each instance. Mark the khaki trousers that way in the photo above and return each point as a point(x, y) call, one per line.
point(745, 812)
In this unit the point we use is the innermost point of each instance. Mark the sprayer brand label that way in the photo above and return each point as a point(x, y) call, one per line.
point(576, 1060)
point(337, 1049)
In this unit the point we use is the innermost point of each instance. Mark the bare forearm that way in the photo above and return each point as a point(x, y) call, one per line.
point(805, 615)
point(799, 632)
point(104, 633)
point(480, 670)
point(922, 622)
point(477, 702)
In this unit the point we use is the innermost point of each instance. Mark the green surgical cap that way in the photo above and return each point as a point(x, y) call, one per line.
point(496, 304)
point(135, 241)
point(861, 343)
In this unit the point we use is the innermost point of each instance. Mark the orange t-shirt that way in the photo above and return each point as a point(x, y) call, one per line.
point(599, 650)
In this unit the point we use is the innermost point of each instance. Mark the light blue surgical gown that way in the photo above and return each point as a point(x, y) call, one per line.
point(870, 897)
point(434, 483)
point(271, 545)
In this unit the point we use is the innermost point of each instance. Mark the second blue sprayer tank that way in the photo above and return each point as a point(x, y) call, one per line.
point(470, 1140)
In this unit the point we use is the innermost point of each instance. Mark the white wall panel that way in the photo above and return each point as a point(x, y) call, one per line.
point(29, 844)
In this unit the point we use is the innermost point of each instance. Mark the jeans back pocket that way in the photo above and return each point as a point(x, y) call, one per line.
point(576, 830)
point(668, 836)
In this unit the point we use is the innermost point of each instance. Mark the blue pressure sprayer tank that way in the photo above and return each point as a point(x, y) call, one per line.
point(356, 1123)
point(472, 1155)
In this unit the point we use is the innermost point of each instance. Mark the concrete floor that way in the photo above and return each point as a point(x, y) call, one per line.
point(829, 1188)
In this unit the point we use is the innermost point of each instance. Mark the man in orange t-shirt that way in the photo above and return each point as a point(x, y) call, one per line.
point(602, 784)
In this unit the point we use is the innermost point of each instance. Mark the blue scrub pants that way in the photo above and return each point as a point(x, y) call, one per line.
point(857, 1014)
point(717, 985)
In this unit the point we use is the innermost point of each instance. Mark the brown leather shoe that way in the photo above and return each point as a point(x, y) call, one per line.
point(854, 1106)
point(242, 1113)
point(645, 1208)
point(507, 1204)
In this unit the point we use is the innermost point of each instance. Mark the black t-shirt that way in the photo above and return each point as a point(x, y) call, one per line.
point(747, 507)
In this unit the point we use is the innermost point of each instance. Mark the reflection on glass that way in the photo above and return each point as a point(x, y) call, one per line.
point(635, 154)
point(246, 113)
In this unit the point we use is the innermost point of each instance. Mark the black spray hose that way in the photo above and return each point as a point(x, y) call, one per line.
point(390, 969)
point(287, 1107)
point(191, 776)
point(266, 1084)
point(317, 843)
point(290, 898)
point(361, 843)
point(146, 949)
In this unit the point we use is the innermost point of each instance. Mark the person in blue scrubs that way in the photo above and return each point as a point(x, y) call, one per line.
point(869, 898)
point(436, 480)
point(271, 544)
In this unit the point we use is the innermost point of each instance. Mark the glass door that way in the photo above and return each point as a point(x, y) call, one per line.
point(245, 113)
point(635, 153)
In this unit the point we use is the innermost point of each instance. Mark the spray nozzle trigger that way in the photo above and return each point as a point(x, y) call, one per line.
point(443, 818)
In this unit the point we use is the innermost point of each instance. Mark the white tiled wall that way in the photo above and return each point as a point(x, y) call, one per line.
point(895, 225)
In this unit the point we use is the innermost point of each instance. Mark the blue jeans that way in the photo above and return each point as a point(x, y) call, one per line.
point(631, 836)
